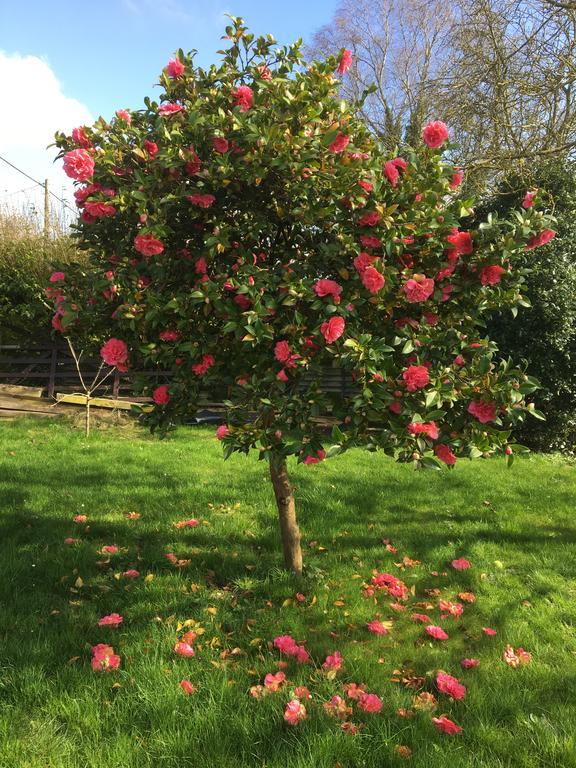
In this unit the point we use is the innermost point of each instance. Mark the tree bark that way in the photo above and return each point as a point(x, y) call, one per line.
point(287, 514)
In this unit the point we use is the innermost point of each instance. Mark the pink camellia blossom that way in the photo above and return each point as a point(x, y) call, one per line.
point(161, 395)
point(482, 411)
point(333, 329)
point(369, 219)
point(363, 261)
point(391, 172)
point(169, 335)
point(376, 627)
point(187, 687)
point(325, 287)
point(489, 631)
point(516, 658)
point(282, 375)
point(428, 428)
point(169, 109)
point(151, 148)
point(422, 617)
point(339, 144)
point(104, 659)
point(288, 646)
point(184, 649)
point(436, 632)
point(243, 97)
point(190, 523)
point(274, 682)
point(456, 179)
point(123, 114)
point(320, 456)
point(435, 134)
point(148, 245)
point(469, 663)
point(295, 712)
point(333, 662)
point(372, 280)
point(264, 72)
point(174, 68)
point(445, 725)
point(528, 201)
point(99, 210)
point(366, 186)
point(541, 239)
point(345, 61)
point(220, 145)
point(450, 685)
point(418, 288)
point(131, 573)
point(110, 549)
point(115, 353)
point(111, 620)
point(202, 201)
point(416, 377)
point(461, 564)
point(337, 707)
point(444, 453)
point(370, 702)
point(368, 241)
point(80, 518)
point(222, 431)
point(461, 242)
point(56, 277)
point(202, 368)
point(69, 540)
point(491, 274)
point(78, 164)
point(80, 138)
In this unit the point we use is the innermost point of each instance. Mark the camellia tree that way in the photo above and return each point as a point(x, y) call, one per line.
point(247, 231)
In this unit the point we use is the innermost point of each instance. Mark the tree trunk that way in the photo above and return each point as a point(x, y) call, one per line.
point(287, 513)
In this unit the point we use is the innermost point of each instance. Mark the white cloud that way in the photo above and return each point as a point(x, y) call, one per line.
point(27, 126)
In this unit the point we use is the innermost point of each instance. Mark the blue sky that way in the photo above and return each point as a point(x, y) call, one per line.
point(64, 63)
point(108, 54)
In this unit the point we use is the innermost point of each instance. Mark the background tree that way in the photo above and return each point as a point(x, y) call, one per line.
point(248, 230)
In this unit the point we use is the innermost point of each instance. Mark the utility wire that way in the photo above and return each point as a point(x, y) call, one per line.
point(40, 183)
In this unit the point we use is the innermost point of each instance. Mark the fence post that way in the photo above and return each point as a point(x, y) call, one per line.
point(53, 364)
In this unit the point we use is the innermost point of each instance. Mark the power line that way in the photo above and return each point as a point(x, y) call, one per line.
point(40, 183)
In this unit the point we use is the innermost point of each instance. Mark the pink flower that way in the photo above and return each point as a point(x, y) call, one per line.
point(345, 61)
point(462, 244)
point(391, 173)
point(174, 68)
point(377, 627)
point(184, 649)
point(148, 245)
point(201, 368)
point(369, 702)
point(337, 707)
point(78, 164)
point(528, 201)
point(169, 335)
point(489, 631)
point(416, 377)
point(273, 683)
point(469, 663)
point(363, 261)
point(222, 431)
point(450, 685)
point(444, 453)
point(372, 280)
point(282, 375)
point(516, 658)
point(80, 138)
point(123, 114)
point(295, 712)
point(320, 456)
point(131, 573)
point(421, 617)
point(445, 725)
point(220, 144)
point(282, 351)
point(339, 144)
point(436, 632)
point(368, 241)
point(169, 109)
point(56, 277)
point(428, 428)
point(325, 287)
point(243, 97)
point(491, 274)
point(99, 210)
point(160, 395)
point(482, 410)
point(115, 353)
point(541, 239)
point(202, 201)
point(264, 72)
point(418, 288)
point(111, 620)
point(187, 687)
point(104, 659)
point(151, 148)
point(456, 179)
point(110, 549)
point(435, 134)
point(333, 329)
point(287, 645)
point(461, 564)
point(333, 662)
point(366, 186)
point(80, 518)
point(70, 541)
point(369, 219)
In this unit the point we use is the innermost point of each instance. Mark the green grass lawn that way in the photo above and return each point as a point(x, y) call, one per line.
point(517, 527)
